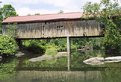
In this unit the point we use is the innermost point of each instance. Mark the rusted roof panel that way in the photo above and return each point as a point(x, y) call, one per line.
point(43, 17)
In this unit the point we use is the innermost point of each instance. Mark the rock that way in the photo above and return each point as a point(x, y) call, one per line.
point(61, 54)
point(113, 59)
point(101, 60)
point(41, 58)
point(94, 61)
point(48, 57)
point(19, 54)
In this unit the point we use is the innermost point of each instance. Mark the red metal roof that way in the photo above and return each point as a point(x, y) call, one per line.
point(43, 17)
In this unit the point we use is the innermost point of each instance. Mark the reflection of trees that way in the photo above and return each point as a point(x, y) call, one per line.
point(7, 68)
point(111, 75)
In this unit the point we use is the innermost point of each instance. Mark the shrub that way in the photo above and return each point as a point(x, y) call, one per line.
point(35, 46)
point(36, 49)
point(51, 49)
point(8, 45)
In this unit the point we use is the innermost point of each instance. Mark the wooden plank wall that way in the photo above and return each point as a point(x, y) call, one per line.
point(57, 29)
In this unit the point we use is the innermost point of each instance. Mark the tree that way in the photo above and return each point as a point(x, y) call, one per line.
point(108, 13)
point(6, 11)
point(7, 44)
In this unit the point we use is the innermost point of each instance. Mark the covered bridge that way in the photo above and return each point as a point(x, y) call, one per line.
point(51, 26)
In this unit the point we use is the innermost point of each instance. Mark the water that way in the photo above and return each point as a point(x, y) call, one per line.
point(80, 72)
point(108, 75)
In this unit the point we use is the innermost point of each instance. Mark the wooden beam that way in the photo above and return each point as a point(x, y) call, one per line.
point(69, 55)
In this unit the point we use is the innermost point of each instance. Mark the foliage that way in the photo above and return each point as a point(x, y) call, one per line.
point(6, 11)
point(97, 43)
point(52, 46)
point(36, 49)
point(51, 49)
point(8, 45)
point(91, 10)
point(112, 73)
point(60, 43)
point(35, 46)
point(112, 37)
point(7, 69)
point(107, 12)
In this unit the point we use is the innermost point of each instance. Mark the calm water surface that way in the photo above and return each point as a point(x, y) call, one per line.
point(106, 73)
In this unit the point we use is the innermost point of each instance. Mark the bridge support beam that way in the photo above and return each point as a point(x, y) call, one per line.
point(69, 54)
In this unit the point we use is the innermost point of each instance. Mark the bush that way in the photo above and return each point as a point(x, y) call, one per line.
point(51, 49)
point(36, 49)
point(8, 45)
point(35, 46)
point(112, 40)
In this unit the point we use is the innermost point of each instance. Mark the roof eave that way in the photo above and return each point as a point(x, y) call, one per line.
point(61, 19)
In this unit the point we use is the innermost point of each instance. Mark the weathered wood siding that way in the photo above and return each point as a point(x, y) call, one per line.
point(75, 28)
